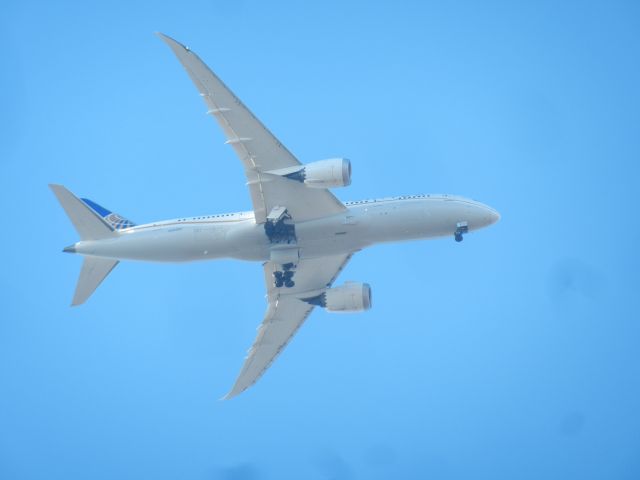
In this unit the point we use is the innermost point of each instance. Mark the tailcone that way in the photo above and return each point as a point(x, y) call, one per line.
point(70, 249)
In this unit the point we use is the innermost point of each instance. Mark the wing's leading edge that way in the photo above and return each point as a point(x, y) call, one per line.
point(258, 149)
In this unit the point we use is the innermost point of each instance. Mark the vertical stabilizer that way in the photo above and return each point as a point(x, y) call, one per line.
point(88, 223)
point(94, 271)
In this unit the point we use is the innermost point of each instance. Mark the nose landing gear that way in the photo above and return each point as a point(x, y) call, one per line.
point(461, 229)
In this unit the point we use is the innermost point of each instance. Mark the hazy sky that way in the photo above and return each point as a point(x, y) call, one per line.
point(511, 355)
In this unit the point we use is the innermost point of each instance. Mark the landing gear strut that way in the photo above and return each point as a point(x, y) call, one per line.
point(461, 228)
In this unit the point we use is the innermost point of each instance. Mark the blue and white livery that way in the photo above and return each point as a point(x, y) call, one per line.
point(300, 232)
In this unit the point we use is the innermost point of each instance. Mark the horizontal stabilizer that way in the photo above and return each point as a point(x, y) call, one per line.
point(94, 271)
point(87, 222)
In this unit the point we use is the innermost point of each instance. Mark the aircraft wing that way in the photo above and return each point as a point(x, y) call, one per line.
point(286, 313)
point(259, 151)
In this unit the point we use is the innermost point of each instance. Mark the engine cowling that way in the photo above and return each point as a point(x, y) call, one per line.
point(334, 172)
point(350, 297)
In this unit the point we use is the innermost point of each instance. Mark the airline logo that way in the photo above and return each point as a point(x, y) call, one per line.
point(116, 221)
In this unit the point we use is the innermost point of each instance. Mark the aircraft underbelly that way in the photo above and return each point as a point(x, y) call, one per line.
point(245, 240)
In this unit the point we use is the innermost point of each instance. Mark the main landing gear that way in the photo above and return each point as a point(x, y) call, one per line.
point(461, 229)
point(277, 227)
point(285, 277)
point(281, 231)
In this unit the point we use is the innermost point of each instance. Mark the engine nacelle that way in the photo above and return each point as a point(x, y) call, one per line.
point(350, 297)
point(334, 172)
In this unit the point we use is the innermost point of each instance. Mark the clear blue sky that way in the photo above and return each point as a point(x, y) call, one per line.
point(511, 355)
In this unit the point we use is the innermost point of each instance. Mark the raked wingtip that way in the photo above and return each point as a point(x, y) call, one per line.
point(172, 42)
point(232, 393)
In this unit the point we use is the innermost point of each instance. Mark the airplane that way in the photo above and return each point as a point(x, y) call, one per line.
point(300, 232)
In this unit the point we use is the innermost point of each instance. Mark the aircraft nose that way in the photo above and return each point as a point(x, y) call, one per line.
point(487, 215)
point(492, 215)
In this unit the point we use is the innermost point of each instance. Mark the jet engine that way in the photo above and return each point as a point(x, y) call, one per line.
point(350, 297)
point(334, 172)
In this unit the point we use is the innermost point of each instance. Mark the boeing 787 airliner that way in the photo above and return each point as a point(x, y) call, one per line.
point(300, 232)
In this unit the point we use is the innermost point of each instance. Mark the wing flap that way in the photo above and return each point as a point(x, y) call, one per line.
point(303, 203)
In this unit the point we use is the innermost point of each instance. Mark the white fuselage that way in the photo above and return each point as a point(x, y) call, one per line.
point(236, 235)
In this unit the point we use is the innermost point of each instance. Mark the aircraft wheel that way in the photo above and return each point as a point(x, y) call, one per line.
point(459, 237)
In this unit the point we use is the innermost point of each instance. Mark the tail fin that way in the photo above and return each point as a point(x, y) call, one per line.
point(88, 223)
point(94, 271)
